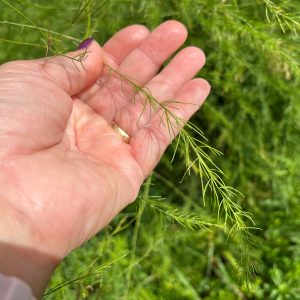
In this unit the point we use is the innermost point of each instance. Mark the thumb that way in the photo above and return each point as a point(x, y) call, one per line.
point(75, 70)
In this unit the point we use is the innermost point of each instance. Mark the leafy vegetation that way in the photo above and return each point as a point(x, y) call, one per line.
point(173, 243)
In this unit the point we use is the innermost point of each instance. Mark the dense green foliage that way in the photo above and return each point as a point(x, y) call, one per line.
point(160, 248)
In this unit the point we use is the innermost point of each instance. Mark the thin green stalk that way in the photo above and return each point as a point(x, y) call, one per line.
point(172, 186)
point(41, 29)
point(23, 15)
point(88, 22)
point(22, 43)
point(97, 271)
point(191, 221)
point(142, 205)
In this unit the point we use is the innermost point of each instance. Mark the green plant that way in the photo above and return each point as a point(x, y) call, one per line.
point(252, 115)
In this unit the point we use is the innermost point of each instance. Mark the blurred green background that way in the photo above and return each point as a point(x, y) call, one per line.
point(252, 116)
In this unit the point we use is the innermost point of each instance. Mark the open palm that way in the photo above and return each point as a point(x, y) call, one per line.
point(65, 171)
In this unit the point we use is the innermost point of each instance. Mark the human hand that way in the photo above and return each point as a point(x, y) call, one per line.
point(64, 171)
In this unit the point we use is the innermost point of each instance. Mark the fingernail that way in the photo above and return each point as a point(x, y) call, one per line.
point(84, 44)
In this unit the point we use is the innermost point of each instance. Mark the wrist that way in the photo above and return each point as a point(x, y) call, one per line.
point(21, 251)
point(32, 267)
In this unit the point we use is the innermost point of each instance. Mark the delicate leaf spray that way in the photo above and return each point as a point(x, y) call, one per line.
point(191, 145)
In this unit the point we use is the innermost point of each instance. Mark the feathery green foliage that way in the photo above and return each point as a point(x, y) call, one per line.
point(193, 152)
point(283, 18)
point(252, 116)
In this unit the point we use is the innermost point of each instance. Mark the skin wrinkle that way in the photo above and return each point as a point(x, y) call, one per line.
point(150, 58)
point(92, 91)
point(44, 87)
point(130, 179)
point(161, 139)
point(110, 132)
point(108, 112)
point(132, 116)
point(9, 152)
point(19, 125)
point(134, 185)
point(149, 136)
point(18, 132)
point(102, 109)
point(121, 87)
point(70, 135)
point(80, 125)
point(109, 193)
point(27, 75)
point(46, 105)
point(113, 183)
point(45, 69)
point(115, 191)
point(109, 58)
point(135, 112)
point(82, 122)
point(31, 232)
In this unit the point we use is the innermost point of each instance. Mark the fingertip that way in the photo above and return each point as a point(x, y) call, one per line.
point(202, 88)
point(197, 55)
point(175, 27)
point(202, 83)
point(91, 55)
point(190, 58)
point(195, 91)
point(136, 32)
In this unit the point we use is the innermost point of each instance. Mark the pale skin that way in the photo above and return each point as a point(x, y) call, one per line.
point(64, 171)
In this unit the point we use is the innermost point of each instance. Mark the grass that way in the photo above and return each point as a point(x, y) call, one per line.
point(168, 244)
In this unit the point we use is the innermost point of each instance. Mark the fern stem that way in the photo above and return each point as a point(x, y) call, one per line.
point(141, 208)
point(41, 29)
